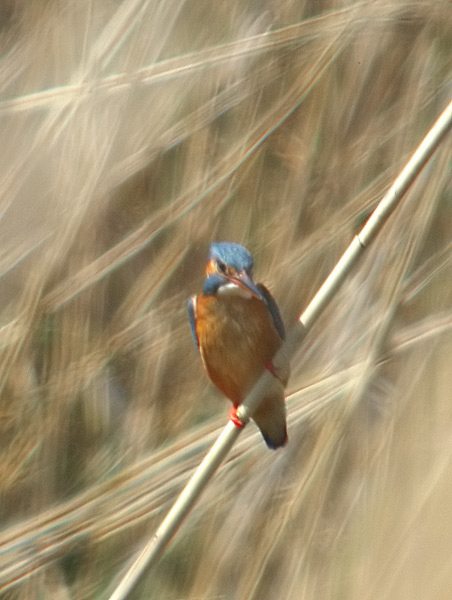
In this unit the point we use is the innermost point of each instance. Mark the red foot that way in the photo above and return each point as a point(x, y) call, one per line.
point(235, 419)
point(269, 366)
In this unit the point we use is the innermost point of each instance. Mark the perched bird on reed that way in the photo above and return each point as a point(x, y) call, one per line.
point(238, 329)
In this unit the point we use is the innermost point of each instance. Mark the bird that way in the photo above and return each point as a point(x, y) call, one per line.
point(237, 327)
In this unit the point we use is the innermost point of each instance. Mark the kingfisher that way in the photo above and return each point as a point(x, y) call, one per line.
point(237, 328)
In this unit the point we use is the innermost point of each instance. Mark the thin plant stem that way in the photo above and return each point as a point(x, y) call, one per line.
point(153, 549)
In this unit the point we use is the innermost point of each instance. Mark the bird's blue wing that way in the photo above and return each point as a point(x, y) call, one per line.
point(274, 310)
point(191, 308)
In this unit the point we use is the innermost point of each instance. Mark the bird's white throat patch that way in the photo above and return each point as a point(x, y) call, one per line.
point(232, 289)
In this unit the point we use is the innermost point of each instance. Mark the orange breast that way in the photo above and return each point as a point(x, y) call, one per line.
point(236, 339)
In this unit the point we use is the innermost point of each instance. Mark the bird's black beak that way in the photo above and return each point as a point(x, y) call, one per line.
point(244, 281)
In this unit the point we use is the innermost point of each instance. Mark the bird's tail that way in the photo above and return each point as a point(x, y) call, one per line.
point(270, 417)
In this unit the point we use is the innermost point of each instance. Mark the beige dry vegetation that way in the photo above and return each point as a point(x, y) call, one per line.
point(135, 132)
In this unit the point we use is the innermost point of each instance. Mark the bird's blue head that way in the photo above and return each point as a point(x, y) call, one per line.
point(231, 255)
point(229, 271)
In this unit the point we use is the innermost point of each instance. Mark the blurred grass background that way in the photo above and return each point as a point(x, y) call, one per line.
point(134, 133)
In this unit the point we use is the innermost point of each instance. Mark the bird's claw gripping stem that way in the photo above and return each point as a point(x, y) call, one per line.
point(235, 419)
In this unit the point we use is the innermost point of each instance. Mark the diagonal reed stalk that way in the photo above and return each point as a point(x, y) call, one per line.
point(201, 477)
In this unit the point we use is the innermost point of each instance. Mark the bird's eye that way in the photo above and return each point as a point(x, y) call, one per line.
point(222, 268)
